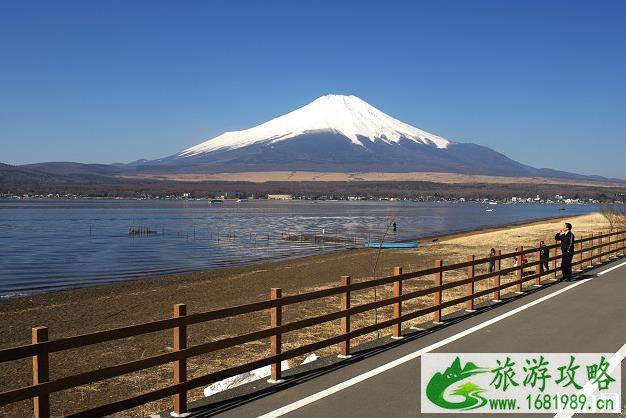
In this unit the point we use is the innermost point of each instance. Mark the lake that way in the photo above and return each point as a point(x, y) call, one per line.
point(48, 245)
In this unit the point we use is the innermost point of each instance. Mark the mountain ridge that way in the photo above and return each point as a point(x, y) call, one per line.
point(339, 133)
point(333, 133)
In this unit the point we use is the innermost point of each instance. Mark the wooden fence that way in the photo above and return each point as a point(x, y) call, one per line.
point(588, 252)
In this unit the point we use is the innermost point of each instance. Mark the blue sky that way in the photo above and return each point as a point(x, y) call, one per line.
point(541, 81)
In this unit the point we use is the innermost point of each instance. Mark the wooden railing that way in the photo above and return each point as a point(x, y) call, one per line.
point(588, 252)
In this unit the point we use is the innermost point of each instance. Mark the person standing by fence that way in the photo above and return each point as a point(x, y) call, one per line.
point(566, 236)
point(492, 260)
point(544, 257)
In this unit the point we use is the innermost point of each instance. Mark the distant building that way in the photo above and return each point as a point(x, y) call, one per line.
point(279, 196)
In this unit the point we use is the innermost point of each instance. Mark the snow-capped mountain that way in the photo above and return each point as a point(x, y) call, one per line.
point(349, 116)
point(337, 133)
point(334, 133)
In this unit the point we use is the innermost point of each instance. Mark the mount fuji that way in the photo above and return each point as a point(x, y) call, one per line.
point(338, 133)
point(347, 116)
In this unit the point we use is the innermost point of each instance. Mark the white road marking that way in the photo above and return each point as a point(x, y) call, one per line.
point(590, 388)
point(611, 269)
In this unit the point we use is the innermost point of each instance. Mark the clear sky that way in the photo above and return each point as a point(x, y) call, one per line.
point(113, 81)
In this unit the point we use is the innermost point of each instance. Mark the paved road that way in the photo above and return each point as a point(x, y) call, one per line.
point(588, 315)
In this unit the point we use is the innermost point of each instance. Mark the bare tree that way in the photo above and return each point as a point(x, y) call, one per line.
point(606, 209)
point(615, 214)
point(621, 216)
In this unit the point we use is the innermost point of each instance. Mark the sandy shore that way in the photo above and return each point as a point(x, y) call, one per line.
point(84, 310)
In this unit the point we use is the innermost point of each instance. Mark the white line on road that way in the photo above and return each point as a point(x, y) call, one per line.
point(589, 388)
point(362, 377)
point(611, 269)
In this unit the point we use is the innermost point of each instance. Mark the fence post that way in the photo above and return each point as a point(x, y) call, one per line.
point(592, 261)
point(580, 256)
point(41, 372)
point(397, 306)
point(614, 243)
point(556, 253)
point(601, 249)
point(539, 266)
point(345, 321)
point(180, 366)
point(276, 318)
point(520, 271)
point(586, 248)
point(438, 295)
point(590, 252)
point(496, 293)
point(471, 270)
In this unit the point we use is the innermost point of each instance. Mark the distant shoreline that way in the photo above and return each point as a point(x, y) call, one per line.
point(319, 176)
point(311, 185)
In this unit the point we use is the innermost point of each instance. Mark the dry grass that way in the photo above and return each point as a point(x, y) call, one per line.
point(148, 300)
point(267, 176)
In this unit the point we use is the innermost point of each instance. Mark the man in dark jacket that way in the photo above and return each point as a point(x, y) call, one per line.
point(567, 249)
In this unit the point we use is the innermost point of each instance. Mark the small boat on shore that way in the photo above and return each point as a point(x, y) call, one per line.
point(216, 201)
point(413, 244)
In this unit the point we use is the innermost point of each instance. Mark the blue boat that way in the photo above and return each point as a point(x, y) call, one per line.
point(413, 244)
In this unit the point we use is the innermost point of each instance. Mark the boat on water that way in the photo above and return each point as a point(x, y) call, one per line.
point(488, 210)
point(493, 203)
point(413, 244)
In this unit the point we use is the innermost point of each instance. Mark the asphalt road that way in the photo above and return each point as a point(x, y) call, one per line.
point(588, 315)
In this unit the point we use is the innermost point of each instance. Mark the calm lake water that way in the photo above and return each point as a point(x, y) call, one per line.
point(48, 245)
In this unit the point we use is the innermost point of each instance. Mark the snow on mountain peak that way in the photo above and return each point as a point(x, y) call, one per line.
point(349, 116)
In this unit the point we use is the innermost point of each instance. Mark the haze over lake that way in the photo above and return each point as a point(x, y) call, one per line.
point(49, 245)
